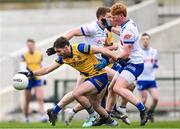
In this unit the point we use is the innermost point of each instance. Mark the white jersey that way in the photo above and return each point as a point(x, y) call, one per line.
point(150, 63)
point(94, 35)
point(129, 35)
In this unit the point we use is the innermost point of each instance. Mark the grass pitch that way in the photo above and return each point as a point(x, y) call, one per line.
point(77, 125)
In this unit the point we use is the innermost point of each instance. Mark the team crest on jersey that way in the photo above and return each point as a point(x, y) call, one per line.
point(127, 36)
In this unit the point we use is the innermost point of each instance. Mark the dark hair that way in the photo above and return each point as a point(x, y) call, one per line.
point(30, 40)
point(146, 34)
point(101, 11)
point(61, 42)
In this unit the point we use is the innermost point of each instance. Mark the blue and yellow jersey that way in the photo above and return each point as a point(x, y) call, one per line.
point(33, 61)
point(82, 59)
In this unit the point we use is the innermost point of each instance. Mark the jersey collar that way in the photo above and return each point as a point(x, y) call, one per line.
point(125, 22)
point(100, 25)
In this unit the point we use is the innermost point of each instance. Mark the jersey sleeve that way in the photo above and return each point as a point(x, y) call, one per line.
point(87, 30)
point(129, 37)
point(155, 59)
point(84, 48)
point(59, 60)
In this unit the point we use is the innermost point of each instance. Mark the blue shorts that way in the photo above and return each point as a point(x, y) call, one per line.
point(144, 85)
point(131, 71)
point(99, 81)
point(116, 66)
point(34, 83)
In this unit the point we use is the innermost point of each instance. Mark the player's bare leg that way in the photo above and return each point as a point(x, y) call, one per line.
point(122, 107)
point(144, 95)
point(68, 98)
point(39, 92)
point(97, 106)
point(121, 89)
point(154, 94)
point(111, 99)
point(72, 111)
point(88, 89)
point(26, 105)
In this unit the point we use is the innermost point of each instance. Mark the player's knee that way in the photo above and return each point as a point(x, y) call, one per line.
point(131, 87)
point(76, 94)
point(110, 89)
point(155, 99)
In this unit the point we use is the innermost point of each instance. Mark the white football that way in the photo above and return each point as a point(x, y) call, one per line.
point(20, 81)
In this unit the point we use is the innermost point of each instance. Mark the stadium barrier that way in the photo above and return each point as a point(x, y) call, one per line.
point(169, 104)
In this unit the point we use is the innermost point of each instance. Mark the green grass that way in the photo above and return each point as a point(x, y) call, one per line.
point(77, 125)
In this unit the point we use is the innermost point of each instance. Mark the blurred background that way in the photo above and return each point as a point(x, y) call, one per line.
point(45, 20)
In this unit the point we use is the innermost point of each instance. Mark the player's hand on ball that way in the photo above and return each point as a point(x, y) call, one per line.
point(29, 74)
point(50, 51)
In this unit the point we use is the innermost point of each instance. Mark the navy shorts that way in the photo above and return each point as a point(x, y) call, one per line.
point(144, 85)
point(34, 83)
point(116, 66)
point(131, 71)
point(99, 81)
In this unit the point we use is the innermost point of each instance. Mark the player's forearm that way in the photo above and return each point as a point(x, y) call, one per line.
point(115, 30)
point(72, 33)
point(126, 52)
point(109, 54)
point(124, 55)
point(113, 47)
point(41, 71)
point(69, 35)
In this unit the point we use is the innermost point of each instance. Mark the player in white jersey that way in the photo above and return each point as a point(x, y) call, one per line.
point(129, 39)
point(146, 81)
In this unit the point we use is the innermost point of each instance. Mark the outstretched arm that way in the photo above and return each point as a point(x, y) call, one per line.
point(113, 47)
point(104, 51)
point(73, 32)
point(47, 69)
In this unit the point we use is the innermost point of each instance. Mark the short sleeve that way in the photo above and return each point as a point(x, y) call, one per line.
point(155, 63)
point(87, 30)
point(59, 60)
point(84, 48)
point(129, 37)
